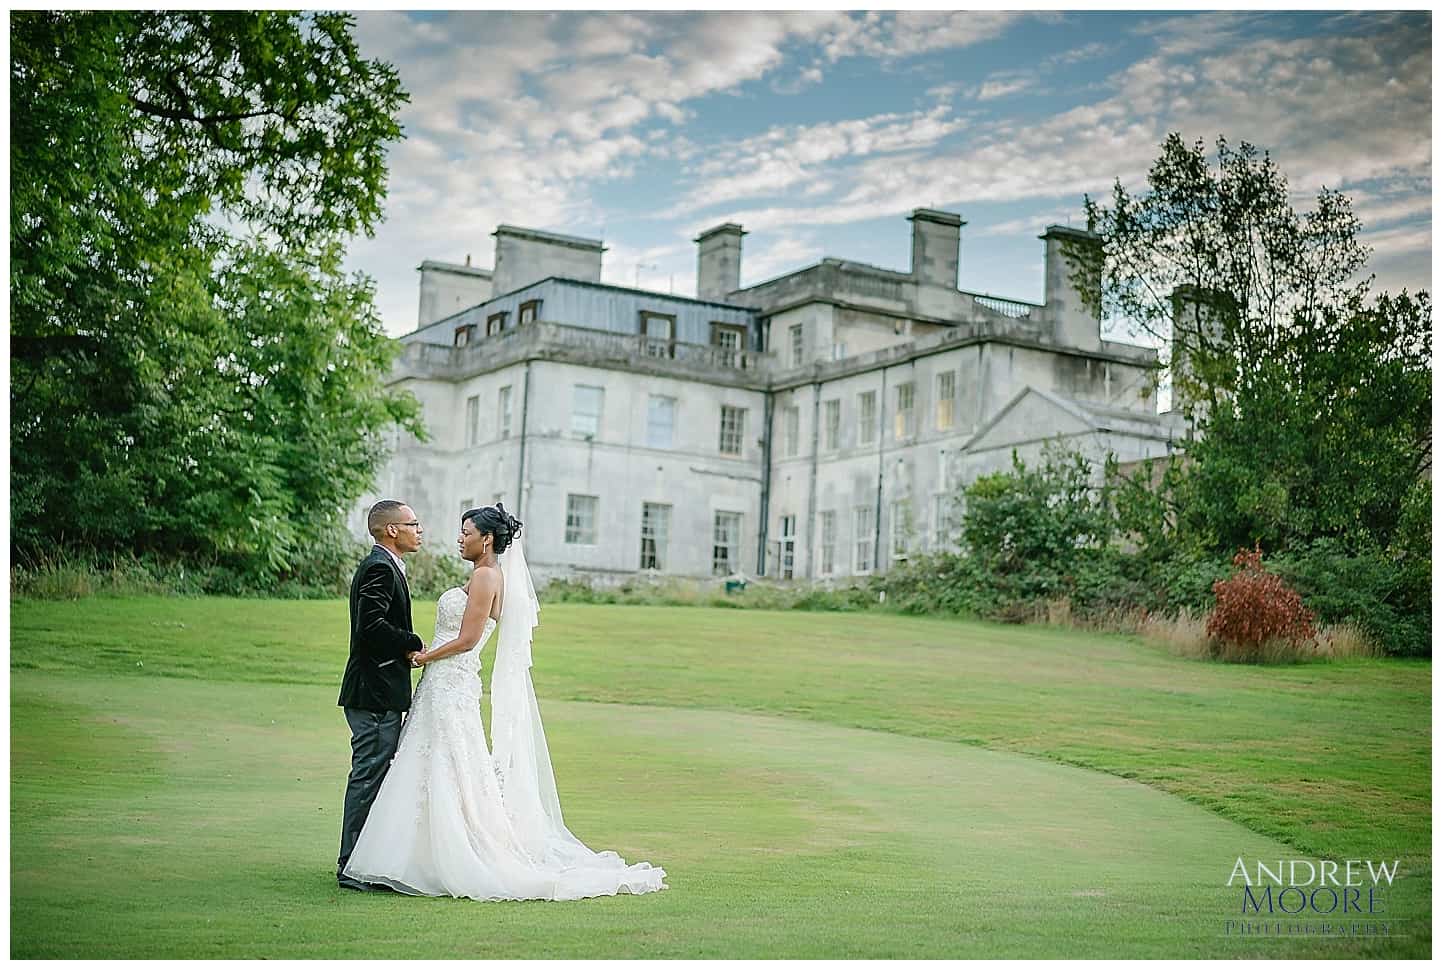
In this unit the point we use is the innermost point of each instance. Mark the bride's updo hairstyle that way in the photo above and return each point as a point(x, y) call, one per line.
point(494, 519)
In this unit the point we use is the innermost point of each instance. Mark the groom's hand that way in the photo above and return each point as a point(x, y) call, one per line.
point(414, 658)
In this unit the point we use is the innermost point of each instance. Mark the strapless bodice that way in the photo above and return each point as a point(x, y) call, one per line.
point(461, 670)
point(450, 608)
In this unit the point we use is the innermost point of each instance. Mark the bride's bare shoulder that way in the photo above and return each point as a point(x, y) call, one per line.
point(484, 579)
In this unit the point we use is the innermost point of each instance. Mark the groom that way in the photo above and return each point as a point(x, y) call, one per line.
point(376, 687)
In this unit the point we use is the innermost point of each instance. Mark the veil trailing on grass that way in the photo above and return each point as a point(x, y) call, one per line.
point(522, 759)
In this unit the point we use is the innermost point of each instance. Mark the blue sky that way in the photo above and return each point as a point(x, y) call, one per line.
point(819, 131)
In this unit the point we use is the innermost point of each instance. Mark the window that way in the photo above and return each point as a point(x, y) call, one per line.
point(905, 410)
point(655, 526)
point(866, 424)
point(467, 504)
point(798, 345)
point(833, 424)
point(581, 520)
point(900, 529)
point(943, 519)
point(828, 543)
point(865, 539)
point(464, 334)
point(586, 409)
point(838, 351)
point(503, 409)
point(945, 400)
point(658, 334)
point(733, 429)
point(726, 544)
point(728, 339)
point(660, 421)
point(473, 421)
point(495, 323)
point(530, 312)
point(791, 420)
point(788, 546)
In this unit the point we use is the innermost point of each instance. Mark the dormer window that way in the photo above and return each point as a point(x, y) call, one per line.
point(464, 334)
point(530, 312)
point(658, 334)
point(730, 340)
point(495, 323)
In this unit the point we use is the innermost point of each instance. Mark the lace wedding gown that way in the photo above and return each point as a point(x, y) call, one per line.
point(439, 825)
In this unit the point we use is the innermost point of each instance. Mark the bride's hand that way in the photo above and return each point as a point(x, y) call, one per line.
point(416, 660)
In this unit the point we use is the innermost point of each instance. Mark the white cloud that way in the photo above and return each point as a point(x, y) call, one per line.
point(910, 32)
point(1402, 239)
point(525, 118)
point(1076, 55)
point(1300, 98)
point(1375, 209)
point(788, 156)
point(806, 78)
point(1001, 87)
point(787, 253)
point(1033, 224)
point(651, 267)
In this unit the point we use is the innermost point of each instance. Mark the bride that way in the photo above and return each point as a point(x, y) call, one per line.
point(449, 819)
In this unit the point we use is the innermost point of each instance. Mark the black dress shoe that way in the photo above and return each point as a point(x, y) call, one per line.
point(346, 882)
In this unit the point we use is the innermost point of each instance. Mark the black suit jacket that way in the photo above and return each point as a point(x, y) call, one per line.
point(377, 676)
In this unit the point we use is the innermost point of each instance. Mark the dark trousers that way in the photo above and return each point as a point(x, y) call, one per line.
point(373, 739)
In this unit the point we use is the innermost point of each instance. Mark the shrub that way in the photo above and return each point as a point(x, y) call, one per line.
point(321, 569)
point(1029, 526)
point(1108, 583)
point(1385, 595)
point(574, 591)
point(1185, 580)
point(428, 574)
point(1255, 608)
point(321, 566)
point(938, 583)
point(854, 596)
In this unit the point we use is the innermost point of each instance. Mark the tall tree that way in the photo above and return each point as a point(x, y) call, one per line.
point(1312, 398)
point(1216, 262)
point(1324, 438)
point(191, 369)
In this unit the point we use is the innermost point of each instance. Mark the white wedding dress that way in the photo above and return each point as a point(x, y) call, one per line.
point(441, 826)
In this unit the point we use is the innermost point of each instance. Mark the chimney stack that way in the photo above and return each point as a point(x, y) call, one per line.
point(1197, 335)
point(1074, 325)
point(935, 247)
point(718, 262)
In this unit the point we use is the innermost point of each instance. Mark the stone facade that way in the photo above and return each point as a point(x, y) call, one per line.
point(817, 425)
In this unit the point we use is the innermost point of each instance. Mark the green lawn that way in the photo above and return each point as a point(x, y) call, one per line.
point(816, 785)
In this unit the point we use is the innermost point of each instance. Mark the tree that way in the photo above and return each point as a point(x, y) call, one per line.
point(1311, 399)
point(191, 370)
point(1142, 504)
point(1324, 440)
point(1028, 527)
point(1217, 262)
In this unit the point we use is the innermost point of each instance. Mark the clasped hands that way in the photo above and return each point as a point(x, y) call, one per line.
point(416, 657)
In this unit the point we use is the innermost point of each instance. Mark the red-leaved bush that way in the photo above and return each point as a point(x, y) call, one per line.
point(1254, 607)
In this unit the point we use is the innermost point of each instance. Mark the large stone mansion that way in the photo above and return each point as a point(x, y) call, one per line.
point(817, 425)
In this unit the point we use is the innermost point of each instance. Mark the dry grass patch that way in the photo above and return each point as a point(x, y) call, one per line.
point(1346, 640)
point(1184, 634)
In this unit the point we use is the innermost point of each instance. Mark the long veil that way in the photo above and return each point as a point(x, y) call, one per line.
point(518, 742)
